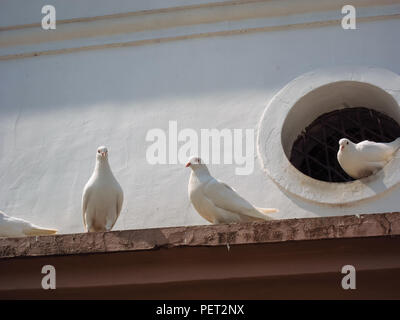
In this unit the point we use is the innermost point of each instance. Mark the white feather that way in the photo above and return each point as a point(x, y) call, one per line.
point(16, 227)
point(216, 202)
point(102, 197)
point(365, 158)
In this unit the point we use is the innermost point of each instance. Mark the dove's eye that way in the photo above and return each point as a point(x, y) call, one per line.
point(347, 142)
point(98, 151)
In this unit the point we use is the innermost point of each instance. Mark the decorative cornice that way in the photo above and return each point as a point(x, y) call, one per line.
point(316, 24)
point(24, 41)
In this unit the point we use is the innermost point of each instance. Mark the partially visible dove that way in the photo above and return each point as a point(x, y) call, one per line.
point(102, 196)
point(365, 158)
point(216, 202)
point(16, 227)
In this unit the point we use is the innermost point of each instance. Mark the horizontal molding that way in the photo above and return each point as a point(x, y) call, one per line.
point(140, 21)
point(316, 24)
point(323, 228)
point(134, 13)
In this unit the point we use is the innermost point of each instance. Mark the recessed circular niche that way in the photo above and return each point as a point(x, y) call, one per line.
point(316, 95)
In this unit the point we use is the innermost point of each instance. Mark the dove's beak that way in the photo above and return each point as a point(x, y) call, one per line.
point(341, 147)
point(188, 164)
point(103, 154)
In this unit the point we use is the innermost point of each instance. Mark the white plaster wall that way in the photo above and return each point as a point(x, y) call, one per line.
point(55, 110)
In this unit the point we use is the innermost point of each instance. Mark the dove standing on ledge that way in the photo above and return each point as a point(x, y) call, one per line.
point(365, 158)
point(15, 227)
point(102, 196)
point(217, 202)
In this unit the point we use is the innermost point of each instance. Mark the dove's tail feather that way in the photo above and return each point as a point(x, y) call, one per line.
point(37, 231)
point(267, 210)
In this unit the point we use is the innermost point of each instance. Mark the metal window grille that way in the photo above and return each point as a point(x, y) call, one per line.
point(315, 150)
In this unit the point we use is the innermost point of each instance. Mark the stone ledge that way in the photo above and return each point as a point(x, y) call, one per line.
point(338, 227)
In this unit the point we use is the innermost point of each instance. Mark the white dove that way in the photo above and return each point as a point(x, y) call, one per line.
point(102, 196)
point(16, 227)
point(217, 202)
point(365, 158)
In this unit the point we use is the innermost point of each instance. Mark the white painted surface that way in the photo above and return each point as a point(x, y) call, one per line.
point(16, 12)
point(55, 111)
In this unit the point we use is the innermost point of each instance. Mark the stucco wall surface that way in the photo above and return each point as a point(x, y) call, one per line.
point(56, 110)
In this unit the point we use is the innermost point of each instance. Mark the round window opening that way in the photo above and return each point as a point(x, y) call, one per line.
point(299, 132)
point(315, 149)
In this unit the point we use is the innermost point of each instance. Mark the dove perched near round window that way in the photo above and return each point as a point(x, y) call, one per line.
point(217, 202)
point(360, 160)
point(102, 196)
point(16, 227)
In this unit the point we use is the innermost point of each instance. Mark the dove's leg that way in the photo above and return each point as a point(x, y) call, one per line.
point(89, 227)
point(109, 224)
point(90, 223)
